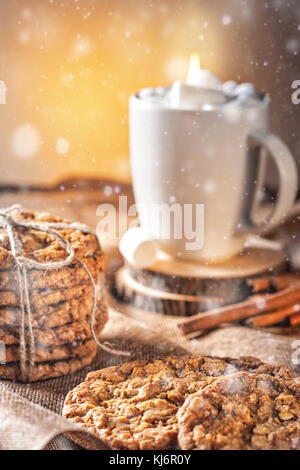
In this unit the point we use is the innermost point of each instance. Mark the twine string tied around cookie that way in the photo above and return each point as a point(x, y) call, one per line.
point(23, 264)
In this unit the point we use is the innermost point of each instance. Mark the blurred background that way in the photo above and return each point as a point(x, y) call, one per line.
point(71, 65)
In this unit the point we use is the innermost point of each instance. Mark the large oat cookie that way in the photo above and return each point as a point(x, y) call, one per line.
point(134, 405)
point(242, 411)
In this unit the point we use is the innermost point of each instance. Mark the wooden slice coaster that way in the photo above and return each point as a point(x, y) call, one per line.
point(185, 288)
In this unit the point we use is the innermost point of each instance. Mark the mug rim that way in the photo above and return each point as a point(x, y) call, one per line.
point(163, 106)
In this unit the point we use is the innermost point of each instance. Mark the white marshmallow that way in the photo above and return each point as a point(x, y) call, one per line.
point(185, 95)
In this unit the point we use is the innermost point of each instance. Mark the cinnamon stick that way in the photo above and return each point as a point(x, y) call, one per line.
point(259, 284)
point(242, 310)
point(282, 281)
point(273, 318)
point(295, 320)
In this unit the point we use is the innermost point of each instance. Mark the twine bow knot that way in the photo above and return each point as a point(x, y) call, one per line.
point(23, 264)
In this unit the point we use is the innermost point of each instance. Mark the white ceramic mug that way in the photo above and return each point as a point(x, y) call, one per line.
point(211, 156)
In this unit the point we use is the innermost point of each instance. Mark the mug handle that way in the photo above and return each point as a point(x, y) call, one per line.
point(288, 181)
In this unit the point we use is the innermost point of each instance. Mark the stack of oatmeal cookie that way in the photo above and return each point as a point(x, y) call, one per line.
point(61, 300)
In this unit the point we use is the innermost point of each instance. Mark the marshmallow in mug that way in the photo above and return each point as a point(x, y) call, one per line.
point(205, 88)
point(242, 91)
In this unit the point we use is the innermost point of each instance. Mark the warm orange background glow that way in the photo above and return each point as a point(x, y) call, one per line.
point(70, 67)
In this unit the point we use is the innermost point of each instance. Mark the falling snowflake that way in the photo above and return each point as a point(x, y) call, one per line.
point(226, 20)
point(82, 46)
point(261, 304)
point(108, 190)
point(25, 141)
point(293, 45)
point(26, 13)
point(24, 36)
point(209, 187)
point(62, 145)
